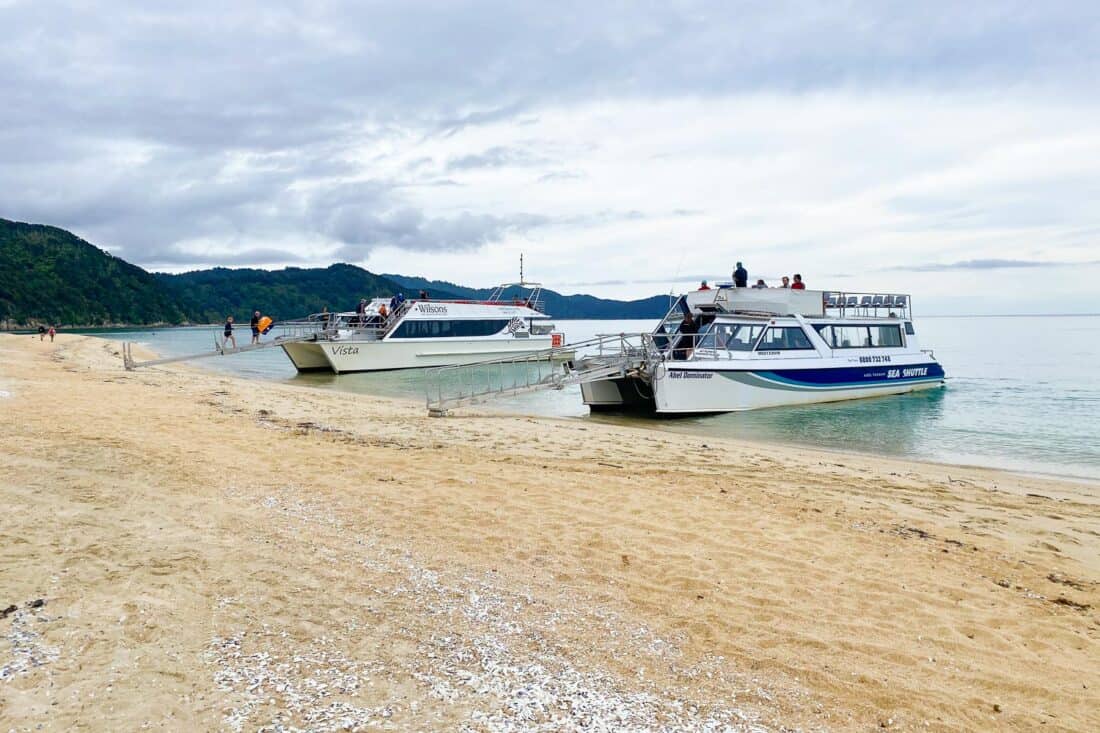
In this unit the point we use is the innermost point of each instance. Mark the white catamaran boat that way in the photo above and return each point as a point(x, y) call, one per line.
point(426, 333)
point(735, 349)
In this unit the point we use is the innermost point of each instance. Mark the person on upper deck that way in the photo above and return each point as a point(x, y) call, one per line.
point(798, 284)
point(760, 285)
point(786, 282)
point(424, 295)
point(740, 276)
point(704, 286)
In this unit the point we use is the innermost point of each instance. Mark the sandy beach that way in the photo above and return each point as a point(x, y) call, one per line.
point(189, 551)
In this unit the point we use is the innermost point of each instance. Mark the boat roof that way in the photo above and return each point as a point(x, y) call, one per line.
point(774, 302)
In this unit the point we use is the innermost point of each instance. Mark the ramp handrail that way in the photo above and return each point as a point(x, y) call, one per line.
point(555, 368)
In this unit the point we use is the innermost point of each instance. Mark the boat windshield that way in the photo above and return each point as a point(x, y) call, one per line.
point(735, 336)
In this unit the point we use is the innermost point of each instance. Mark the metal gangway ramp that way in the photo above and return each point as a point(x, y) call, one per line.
point(296, 331)
point(604, 356)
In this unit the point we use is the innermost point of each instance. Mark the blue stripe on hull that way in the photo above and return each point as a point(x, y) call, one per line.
point(847, 377)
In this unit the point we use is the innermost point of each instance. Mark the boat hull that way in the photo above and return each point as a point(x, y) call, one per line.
point(307, 356)
point(699, 389)
point(348, 356)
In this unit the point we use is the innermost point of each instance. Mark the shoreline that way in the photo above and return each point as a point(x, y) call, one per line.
point(659, 424)
point(192, 535)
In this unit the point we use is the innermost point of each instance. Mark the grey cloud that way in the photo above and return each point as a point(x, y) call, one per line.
point(496, 157)
point(410, 229)
point(142, 126)
point(562, 176)
point(989, 264)
point(249, 257)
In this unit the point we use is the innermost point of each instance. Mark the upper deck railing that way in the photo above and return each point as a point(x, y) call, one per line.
point(788, 302)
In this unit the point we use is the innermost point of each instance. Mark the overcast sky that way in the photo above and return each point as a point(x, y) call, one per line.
point(946, 149)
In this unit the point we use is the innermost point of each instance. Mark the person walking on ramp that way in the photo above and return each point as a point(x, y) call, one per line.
point(227, 334)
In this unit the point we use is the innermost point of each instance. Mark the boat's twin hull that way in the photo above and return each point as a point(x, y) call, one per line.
point(344, 356)
point(683, 390)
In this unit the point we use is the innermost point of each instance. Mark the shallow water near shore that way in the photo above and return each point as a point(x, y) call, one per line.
point(1022, 395)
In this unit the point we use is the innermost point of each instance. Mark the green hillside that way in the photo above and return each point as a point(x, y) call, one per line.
point(48, 275)
point(208, 296)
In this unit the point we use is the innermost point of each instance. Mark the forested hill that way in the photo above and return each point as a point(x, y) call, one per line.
point(208, 296)
point(48, 275)
point(51, 276)
point(556, 304)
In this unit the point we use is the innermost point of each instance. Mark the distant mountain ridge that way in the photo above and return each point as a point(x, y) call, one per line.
point(556, 304)
point(51, 276)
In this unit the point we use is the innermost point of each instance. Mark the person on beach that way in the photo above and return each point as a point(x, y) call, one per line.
point(227, 333)
point(52, 332)
point(740, 276)
point(760, 285)
point(255, 325)
point(798, 284)
point(41, 333)
point(786, 282)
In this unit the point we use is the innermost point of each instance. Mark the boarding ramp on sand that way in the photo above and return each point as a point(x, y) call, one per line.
point(291, 332)
point(602, 357)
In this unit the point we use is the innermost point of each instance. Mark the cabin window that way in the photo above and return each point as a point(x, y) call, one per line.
point(448, 329)
point(784, 338)
point(909, 328)
point(860, 337)
point(885, 336)
point(736, 336)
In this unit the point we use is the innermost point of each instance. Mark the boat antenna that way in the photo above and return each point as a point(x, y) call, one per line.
point(521, 268)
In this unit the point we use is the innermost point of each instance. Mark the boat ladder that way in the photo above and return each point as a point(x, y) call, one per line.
point(599, 358)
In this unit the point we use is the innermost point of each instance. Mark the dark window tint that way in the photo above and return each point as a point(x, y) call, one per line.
point(909, 328)
point(882, 336)
point(860, 337)
point(448, 329)
point(784, 338)
point(736, 336)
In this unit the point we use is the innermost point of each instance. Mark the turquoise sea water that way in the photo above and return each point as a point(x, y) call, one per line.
point(1023, 394)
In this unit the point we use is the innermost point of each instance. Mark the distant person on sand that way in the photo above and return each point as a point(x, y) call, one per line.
point(786, 282)
point(227, 334)
point(760, 285)
point(255, 324)
point(52, 332)
point(41, 333)
point(798, 284)
point(704, 286)
point(740, 276)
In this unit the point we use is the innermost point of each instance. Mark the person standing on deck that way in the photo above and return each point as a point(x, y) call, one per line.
point(740, 276)
point(255, 324)
point(798, 284)
point(361, 312)
point(227, 333)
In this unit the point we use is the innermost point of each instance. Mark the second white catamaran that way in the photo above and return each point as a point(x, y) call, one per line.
point(422, 332)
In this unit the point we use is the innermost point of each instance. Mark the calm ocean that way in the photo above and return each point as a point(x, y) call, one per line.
point(1023, 393)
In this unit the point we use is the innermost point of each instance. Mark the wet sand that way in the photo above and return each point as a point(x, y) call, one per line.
point(217, 554)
